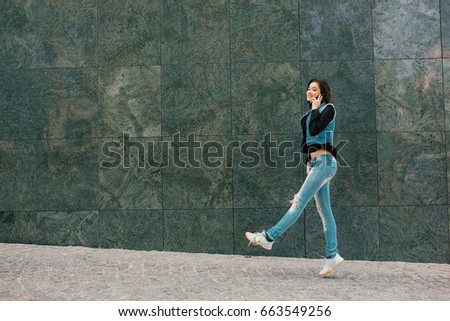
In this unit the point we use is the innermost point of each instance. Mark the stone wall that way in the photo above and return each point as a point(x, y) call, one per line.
point(150, 124)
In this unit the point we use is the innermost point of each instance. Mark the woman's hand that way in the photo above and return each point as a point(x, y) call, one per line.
point(308, 168)
point(315, 102)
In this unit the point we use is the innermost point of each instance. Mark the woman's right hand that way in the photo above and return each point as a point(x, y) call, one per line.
point(315, 102)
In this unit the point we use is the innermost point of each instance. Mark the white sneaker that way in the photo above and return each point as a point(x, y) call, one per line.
point(330, 264)
point(259, 239)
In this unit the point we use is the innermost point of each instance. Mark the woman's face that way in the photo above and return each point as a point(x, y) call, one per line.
point(313, 91)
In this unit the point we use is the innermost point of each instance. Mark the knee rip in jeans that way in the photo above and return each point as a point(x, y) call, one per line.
point(294, 201)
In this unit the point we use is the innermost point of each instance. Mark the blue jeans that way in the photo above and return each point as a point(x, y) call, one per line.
point(317, 185)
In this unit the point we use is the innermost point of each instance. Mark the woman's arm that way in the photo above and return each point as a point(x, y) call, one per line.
point(320, 120)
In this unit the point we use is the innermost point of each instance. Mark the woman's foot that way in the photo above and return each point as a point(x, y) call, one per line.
point(259, 239)
point(330, 265)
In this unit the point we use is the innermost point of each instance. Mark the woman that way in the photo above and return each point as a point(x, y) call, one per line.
point(318, 128)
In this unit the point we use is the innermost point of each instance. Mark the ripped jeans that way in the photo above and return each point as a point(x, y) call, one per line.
point(317, 185)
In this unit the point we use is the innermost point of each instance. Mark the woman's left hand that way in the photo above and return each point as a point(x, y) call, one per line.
point(315, 102)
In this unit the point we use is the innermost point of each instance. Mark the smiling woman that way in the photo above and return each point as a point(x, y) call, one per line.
point(318, 128)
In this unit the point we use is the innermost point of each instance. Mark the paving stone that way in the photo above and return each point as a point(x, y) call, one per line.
point(36, 272)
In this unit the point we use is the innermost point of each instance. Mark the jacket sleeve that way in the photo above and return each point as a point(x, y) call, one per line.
point(304, 146)
point(320, 120)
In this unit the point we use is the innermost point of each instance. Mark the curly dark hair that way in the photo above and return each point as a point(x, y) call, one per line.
point(325, 89)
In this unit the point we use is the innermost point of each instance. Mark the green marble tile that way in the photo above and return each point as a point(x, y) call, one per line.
point(356, 180)
point(68, 33)
point(412, 168)
point(196, 99)
point(264, 31)
point(447, 145)
point(132, 183)
point(67, 175)
point(414, 233)
point(7, 226)
point(130, 101)
point(129, 32)
point(69, 100)
point(192, 231)
point(20, 34)
point(137, 230)
point(336, 30)
point(77, 228)
point(260, 181)
point(445, 27)
point(352, 92)
point(265, 98)
point(69, 2)
point(21, 115)
point(357, 233)
point(195, 31)
point(406, 29)
point(54, 103)
point(17, 175)
point(189, 182)
point(409, 95)
point(291, 243)
point(446, 64)
point(49, 34)
point(122, 188)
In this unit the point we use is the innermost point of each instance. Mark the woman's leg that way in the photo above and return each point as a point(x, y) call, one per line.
point(321, 173)
point(323, 204)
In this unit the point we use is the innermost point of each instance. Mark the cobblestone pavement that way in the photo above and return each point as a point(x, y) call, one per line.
point(31, 272)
